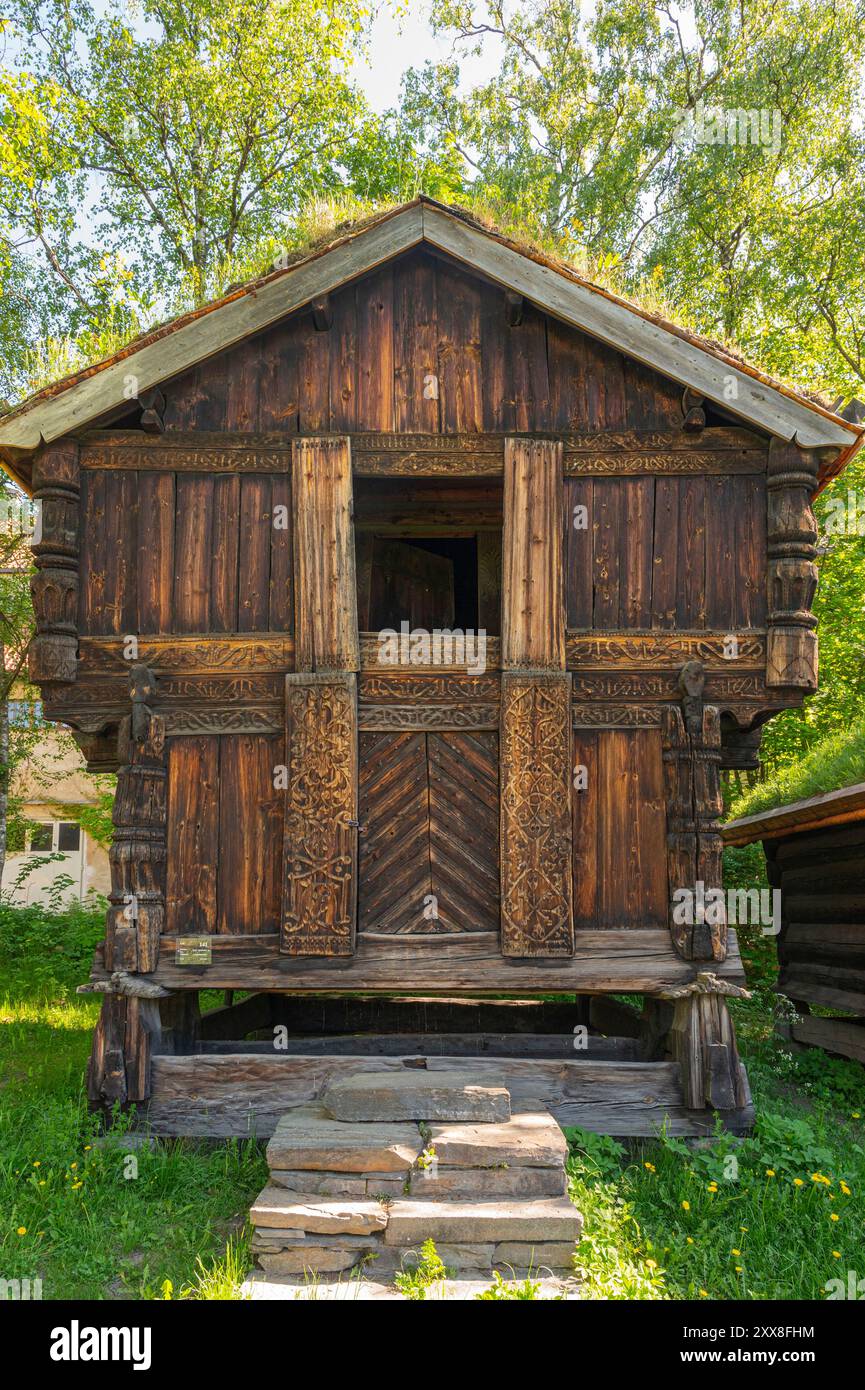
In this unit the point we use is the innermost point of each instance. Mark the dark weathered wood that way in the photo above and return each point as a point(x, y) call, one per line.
point(54, 586)
point(513, 1045)
point(694, 806)
point(844, 1036)
point(249, 872)
point(791, 654)
point(193, 834)
point(319, 906)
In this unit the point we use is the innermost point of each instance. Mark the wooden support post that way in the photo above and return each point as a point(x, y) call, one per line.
point(703, 1042)
point(535, 829)
point(692, 760)
point(53, 653)
point(136, 918)
point(791, 643)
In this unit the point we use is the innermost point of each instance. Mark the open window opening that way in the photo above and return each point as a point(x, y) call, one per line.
point(428, 554)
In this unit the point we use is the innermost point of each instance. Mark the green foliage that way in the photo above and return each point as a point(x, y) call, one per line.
point(48, 954)
point(838, 760)
point(430, 1270)
point(501, 1291)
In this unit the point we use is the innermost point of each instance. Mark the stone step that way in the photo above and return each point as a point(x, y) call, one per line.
point(371, 1097)
point(308, 1138)
point(306, 1183)
point(274, 1207)
point(470, 1223)
point(439, 1184)
point(530, 1139)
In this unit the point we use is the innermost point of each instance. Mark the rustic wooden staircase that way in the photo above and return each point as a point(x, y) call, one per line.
point(383, 1162)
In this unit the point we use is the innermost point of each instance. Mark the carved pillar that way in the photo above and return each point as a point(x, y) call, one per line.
point(692, 760)
point(54, 587)
point(703, 1042)
point(791, 644)
point(137, 914)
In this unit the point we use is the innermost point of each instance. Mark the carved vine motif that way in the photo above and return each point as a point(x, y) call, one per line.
point(54, 586)
point(371, 717)
point(616, 716)
point(320, 815)
point(428, 690)
point(173, 654)
point(188, 460)
point(669, 650)
point(535, 770)
point(579, 464)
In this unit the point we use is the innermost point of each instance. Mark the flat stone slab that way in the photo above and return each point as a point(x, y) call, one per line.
point(416, 1095)
point(322, 1259)
point(309, 1138)
point(274, 1207)
point(478, 1223)
point(307, 1183)
point(528, 1140)
point(436, 1183)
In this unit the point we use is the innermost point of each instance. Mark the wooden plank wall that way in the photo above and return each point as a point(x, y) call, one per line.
point(225, 834)
point(664, 552)
point(390, 331)
point(184, 552)
point(619, 819)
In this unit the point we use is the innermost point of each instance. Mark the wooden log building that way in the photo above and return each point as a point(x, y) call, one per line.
point(418, 591)
point(815, 857)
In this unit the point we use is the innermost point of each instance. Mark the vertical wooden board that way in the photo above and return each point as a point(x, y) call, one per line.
point(691, 604)
point(243, 386)
point(415, 346)
point(529, 371)
point(253, 581)
point(375, 342)
point(250, 834)
point(223, 566)
point(607, 527)
point(93, 617)
point(464, 829)
point(281, 604)
point(579, 596)
point(211, 396)
point(533, 617)
point(497, 404)
point(156, 493)
point(121, 567)
point(325, 588)
point(319, 902)
point(631, 811)
point(606, 405)
point(193, 548)
point(342, 336)
point(192, 835)
point(665, 553)
point(363, 547)
point(181, 400)
point(568, 378)
point(723, 574)
point(394, 877)
point(653, 402)
point(489, 617)
point(458, 302)
point(535, 815)
point(313, 371)
point(750, 512)
point(635, 556)
point(585, 751)
point(279, 390)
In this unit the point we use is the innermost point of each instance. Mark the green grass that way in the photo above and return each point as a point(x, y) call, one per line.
point(115, 1222)
point(737, 1220)
point(91, 1221)
point(836, 761)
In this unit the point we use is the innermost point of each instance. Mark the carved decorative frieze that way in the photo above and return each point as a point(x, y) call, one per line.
point(535, 815)
point(178, 655)
point(426, 690)
point(474, 716)
point(665, 650)
point(321, 800)
point(613, 716)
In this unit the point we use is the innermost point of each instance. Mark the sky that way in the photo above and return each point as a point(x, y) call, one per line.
point(398, 43)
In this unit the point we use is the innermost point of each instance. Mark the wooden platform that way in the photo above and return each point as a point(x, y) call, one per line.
point(244, 1093)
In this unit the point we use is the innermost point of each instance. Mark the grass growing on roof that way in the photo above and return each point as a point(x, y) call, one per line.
point(836, 761)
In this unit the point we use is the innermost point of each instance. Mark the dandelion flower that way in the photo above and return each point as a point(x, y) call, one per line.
point(770, 1172)
point(738, 1269)
point(703, 1293)
point(836, 1254)
point(686, 1206)
point(736, 1252)
point(87, 1148)
point(37, 1163)
point(73, 1165)
point(649, 1166)
point(855, 1115)
point(798, 1182)
point(833, 1216)
point(76, 1185)
point(689, 1239)
point(22, 1230)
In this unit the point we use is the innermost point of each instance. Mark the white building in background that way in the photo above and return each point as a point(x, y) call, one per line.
point(58, 856)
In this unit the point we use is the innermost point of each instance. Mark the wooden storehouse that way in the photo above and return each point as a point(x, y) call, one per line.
point(815, 858)
point(418, 592)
